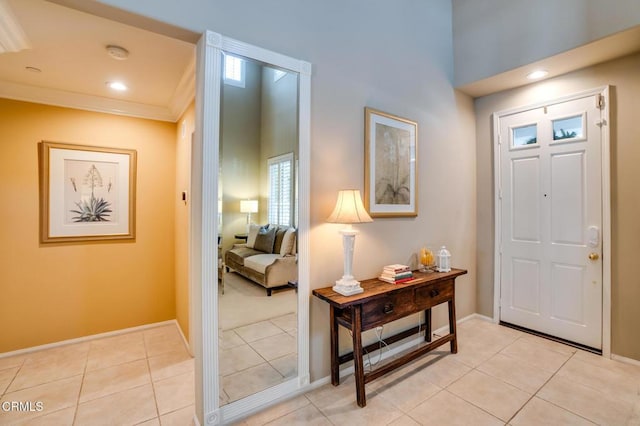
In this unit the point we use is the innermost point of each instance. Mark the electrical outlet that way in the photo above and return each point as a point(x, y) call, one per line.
point(379, 329)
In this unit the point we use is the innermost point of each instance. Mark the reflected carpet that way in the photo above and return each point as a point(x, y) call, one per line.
point(245, 302)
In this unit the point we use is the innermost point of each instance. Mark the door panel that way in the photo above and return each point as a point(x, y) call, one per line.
point(568, 198)
point(526, 295)
point(568, 295)
point(550, 177)
point(526, 199)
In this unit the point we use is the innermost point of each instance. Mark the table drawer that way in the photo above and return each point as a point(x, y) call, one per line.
point(389, 308)
point(433, 295)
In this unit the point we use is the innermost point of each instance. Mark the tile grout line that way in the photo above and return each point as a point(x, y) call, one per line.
point(471, 403)
point(317, 408)
point(406, 413)
point(534, 395)
point(50, 382)
point(475, 368)
point(84, 372)
point(560, 407)
point(6, 391)
point(153, 386)
point(249, 344)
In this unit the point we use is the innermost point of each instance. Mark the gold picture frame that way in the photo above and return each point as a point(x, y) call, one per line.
point(391, 168)
point(87, 193)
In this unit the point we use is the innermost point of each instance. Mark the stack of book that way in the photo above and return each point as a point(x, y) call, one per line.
point(396, 274)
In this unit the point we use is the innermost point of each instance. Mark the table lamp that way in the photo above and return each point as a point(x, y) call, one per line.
point(248, 207)
point(348, 210)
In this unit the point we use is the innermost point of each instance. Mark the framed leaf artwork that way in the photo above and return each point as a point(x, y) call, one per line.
point(390, 184)
point(87, 193)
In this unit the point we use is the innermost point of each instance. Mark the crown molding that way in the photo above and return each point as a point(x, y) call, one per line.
point(41, 95)
point(12, 37)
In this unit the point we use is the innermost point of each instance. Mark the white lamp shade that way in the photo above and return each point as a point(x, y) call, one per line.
point(349, 208)
point(248, 206)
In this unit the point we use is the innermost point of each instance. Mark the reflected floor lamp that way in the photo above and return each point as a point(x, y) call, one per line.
point(348, 210)
point(248, 207)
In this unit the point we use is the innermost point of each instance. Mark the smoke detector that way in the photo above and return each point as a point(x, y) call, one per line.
point(117, 52)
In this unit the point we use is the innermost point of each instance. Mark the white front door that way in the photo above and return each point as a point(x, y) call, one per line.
point(551, 220)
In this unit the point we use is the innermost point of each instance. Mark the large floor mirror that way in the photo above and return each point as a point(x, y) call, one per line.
point(259, 313)
point(257, 298)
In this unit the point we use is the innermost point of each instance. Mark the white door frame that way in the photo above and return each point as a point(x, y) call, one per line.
point(606, 207)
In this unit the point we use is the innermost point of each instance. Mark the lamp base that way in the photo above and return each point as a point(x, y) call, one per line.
point(347, 287)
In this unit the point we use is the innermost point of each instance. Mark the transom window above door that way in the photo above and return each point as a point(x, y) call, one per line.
point(524, 135)
point(569, 128)
point(234, 71)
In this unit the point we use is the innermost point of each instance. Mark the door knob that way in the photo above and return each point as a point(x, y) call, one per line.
point(594, 256)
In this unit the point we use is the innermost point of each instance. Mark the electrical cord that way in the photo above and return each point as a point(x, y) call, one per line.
point(381, 345)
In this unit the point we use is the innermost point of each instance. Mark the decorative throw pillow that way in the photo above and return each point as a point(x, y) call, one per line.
point(288, 242)
point(253, 233)
point(279, 236)
point(265, 239)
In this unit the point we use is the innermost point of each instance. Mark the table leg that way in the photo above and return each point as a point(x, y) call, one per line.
point(335, 365)
point(452, 325)
point(356, 329)
point(427, 323)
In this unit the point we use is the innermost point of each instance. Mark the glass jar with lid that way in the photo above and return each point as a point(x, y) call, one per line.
point(443, 258)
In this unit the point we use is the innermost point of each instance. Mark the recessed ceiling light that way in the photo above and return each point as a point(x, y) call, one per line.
point(117, 85)
point(536, 75)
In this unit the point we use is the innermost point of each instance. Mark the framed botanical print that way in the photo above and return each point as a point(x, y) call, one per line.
point(390, 184)
point(87, 193)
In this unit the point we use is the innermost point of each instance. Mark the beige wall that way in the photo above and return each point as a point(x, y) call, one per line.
point(446, 199)
point(279, 126)
point(55, 292)
point(622, 75)
point(185, 128)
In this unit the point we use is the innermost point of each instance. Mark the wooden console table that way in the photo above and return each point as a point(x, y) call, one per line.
point(380, 303)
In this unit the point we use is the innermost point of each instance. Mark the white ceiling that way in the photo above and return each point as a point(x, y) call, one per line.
point(69, 47)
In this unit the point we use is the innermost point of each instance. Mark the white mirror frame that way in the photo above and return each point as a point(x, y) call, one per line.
point(204, 231)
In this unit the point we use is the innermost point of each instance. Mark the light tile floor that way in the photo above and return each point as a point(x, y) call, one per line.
point(143, 377)
point(499, 376)
point(258, 356)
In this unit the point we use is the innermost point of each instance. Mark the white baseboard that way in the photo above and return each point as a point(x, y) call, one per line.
point(625, 359)
point(184, 339)
point(88, 338)
point(480, 317)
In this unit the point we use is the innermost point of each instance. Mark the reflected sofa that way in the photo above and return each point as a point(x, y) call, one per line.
point(268, 258)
